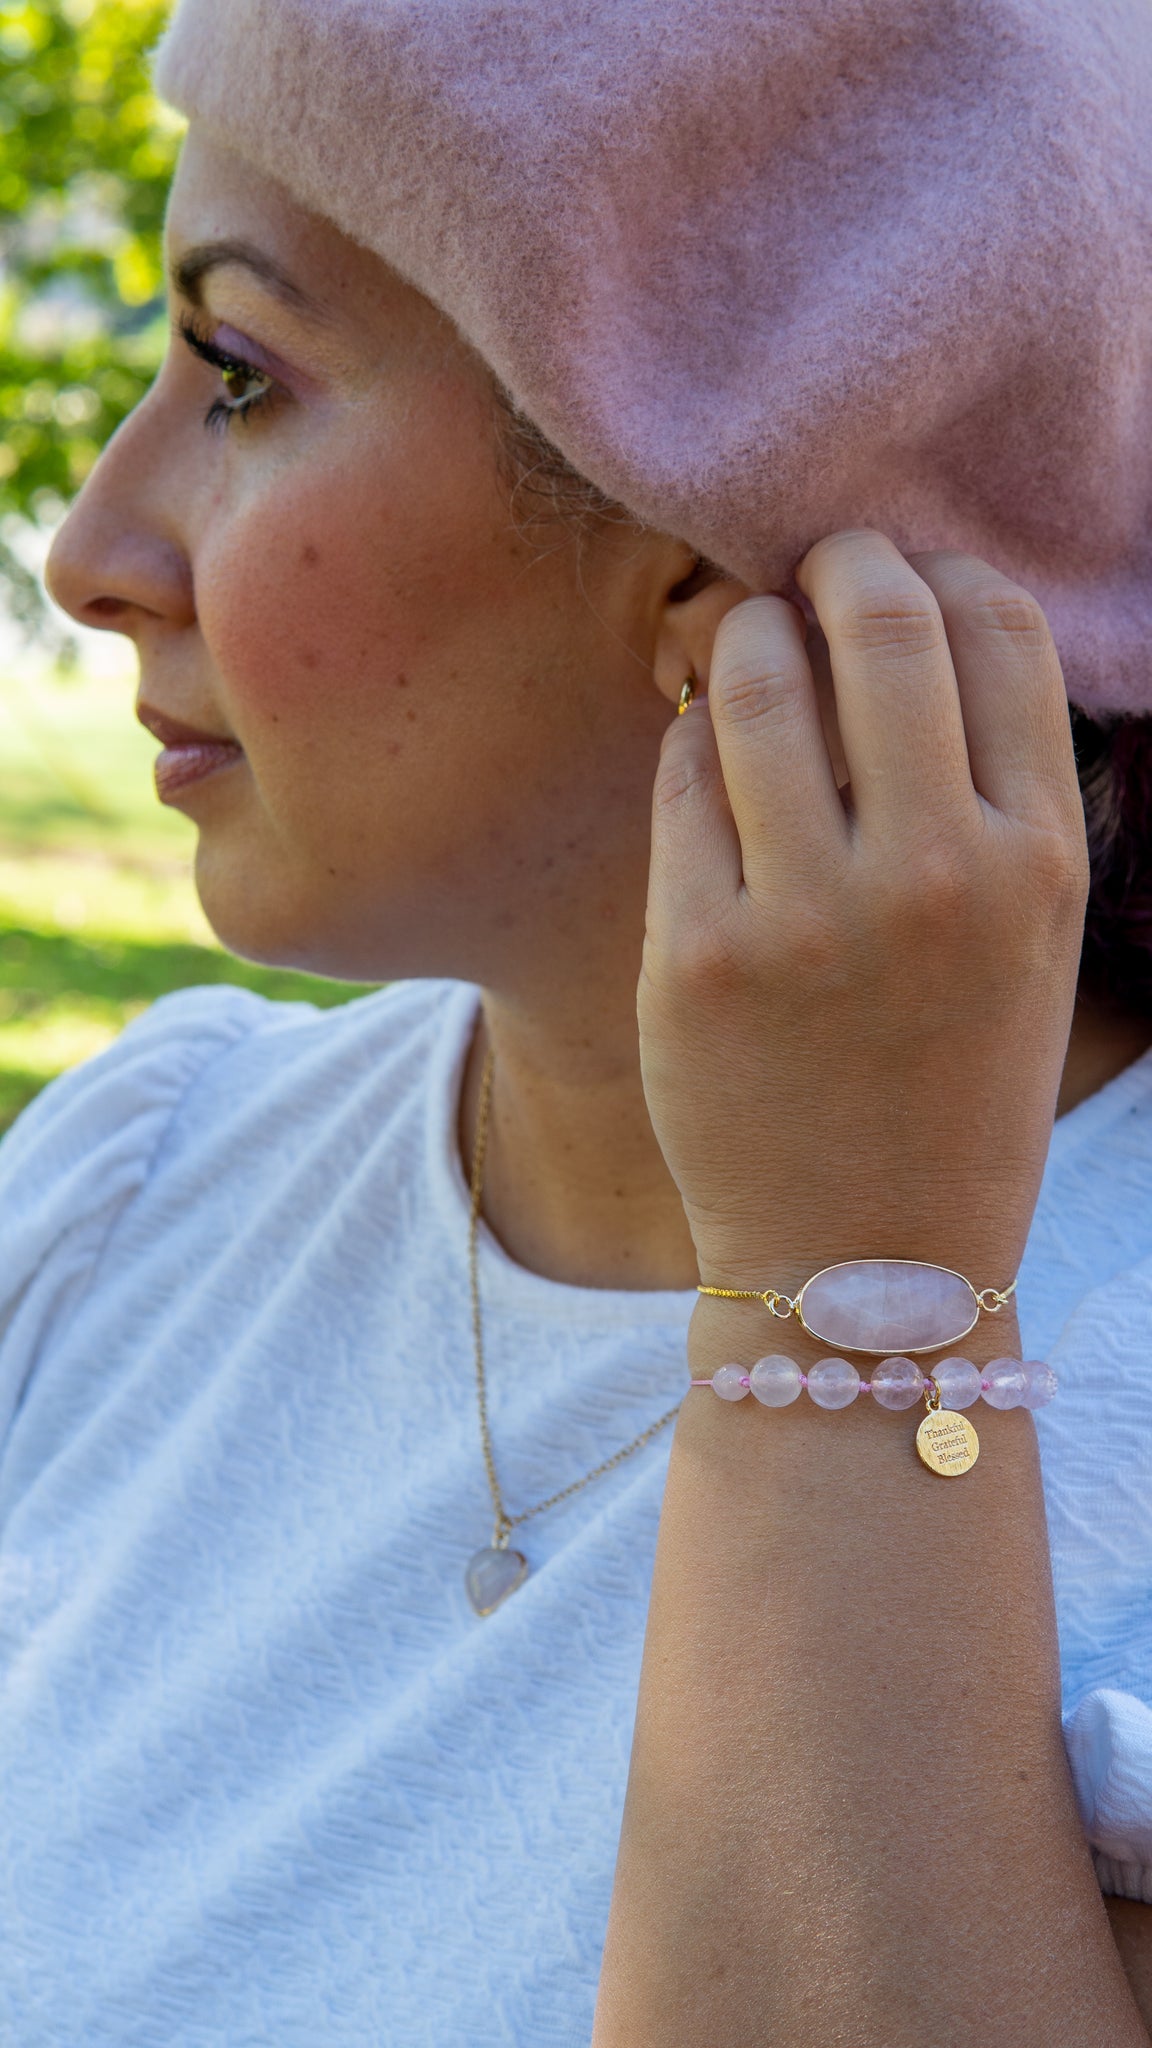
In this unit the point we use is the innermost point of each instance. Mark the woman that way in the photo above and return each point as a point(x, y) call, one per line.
point(293, 1753)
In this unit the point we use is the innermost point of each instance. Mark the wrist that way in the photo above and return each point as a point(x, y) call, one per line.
point(876, 1306)
point(726, 1262)
point(739, 1332)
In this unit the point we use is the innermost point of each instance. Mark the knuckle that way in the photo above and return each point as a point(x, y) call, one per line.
point(945, 889)
point(1057, 867)
point(891, 621)
point(748, 695)
point(722, 962)
point(682, 779)
point(931, 888)
point(711, 963)
point(1014, 614)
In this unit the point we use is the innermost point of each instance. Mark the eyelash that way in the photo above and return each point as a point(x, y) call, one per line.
point(219, 414)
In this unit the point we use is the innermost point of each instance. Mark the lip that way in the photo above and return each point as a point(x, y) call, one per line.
point(189, 754)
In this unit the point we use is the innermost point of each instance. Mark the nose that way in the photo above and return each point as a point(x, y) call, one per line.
point(117, 562)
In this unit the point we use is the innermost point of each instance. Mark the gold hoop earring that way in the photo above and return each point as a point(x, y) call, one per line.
point(687, 692)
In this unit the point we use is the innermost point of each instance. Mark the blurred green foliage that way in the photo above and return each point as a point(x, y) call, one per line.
point(98, 911)
point(86, 155)
point(98, 915)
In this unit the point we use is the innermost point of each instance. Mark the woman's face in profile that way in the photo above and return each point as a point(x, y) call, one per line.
point(449, 725)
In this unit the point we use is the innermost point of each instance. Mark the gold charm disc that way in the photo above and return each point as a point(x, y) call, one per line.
point(947, 1443)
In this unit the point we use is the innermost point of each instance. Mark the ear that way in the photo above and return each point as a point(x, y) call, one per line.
point(691, 614)
point(689, 620)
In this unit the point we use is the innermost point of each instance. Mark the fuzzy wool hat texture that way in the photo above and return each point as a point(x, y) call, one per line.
point(763, 269)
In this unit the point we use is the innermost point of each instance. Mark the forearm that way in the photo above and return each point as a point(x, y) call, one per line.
point(849, 1815)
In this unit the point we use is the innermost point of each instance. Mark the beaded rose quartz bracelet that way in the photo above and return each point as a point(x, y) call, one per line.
point(946, 1440)
point(893, 1300)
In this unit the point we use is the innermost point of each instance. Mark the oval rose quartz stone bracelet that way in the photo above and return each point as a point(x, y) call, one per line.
point(872, 1305)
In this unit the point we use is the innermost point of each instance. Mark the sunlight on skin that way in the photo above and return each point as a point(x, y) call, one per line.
point(370, 830)
point(450, 733)
point(450, 726)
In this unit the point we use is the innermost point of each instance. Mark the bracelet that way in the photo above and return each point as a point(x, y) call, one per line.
point(945, 1440)
point(881, 1305)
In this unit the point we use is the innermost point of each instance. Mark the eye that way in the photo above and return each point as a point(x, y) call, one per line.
point(246, 386)
point(238, 377)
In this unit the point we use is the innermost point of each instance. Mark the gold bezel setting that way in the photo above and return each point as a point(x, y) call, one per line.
point(989, 1299)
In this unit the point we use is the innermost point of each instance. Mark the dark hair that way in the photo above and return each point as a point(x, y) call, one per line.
point(1114, 763)
point(545, 489)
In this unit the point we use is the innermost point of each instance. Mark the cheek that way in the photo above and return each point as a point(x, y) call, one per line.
point(317, 596)
point(358, 613)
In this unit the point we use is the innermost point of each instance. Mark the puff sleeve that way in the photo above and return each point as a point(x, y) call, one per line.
point(82, 1151)
point(1109, 1743)
point(1096, 1452)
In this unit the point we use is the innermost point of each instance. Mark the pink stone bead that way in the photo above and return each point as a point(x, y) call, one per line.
point(888, 1305)
point(897, 1383)
point(776, 1381)
point(1040, 1384)
point(833, 1383)
point(1003, 1383)
point(958, 1381)
point(730, 1382)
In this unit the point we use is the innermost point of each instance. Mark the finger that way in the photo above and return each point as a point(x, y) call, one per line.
point(897, 699)
point(695, 869)
point(1011, 689)
point(771, 744)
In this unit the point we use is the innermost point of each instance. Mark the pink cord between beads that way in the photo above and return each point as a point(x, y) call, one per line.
point(865, 1386)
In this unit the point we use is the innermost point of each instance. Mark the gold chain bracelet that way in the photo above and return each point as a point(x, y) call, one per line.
point(904, 1305)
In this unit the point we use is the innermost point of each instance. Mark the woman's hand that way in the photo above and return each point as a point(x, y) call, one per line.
point(854, 1006)
point(847, 1754)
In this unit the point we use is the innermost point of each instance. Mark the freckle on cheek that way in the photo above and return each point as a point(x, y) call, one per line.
point(401, 681)
point(393, 747)
point(309, 556)
point(309, 658)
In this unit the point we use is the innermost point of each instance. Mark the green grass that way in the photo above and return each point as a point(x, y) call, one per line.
point(98, 913)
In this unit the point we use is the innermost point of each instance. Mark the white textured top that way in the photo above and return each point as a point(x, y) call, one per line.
point(264, 1776)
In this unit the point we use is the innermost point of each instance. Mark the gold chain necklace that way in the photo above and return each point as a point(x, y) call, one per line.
point(495, 1572)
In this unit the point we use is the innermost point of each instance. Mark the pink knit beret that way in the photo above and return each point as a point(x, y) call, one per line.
point(765, 268)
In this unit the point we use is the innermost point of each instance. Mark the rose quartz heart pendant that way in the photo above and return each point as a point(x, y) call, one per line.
point(492, 1575)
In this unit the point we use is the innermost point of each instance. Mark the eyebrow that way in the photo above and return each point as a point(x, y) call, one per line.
point(188, 274)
